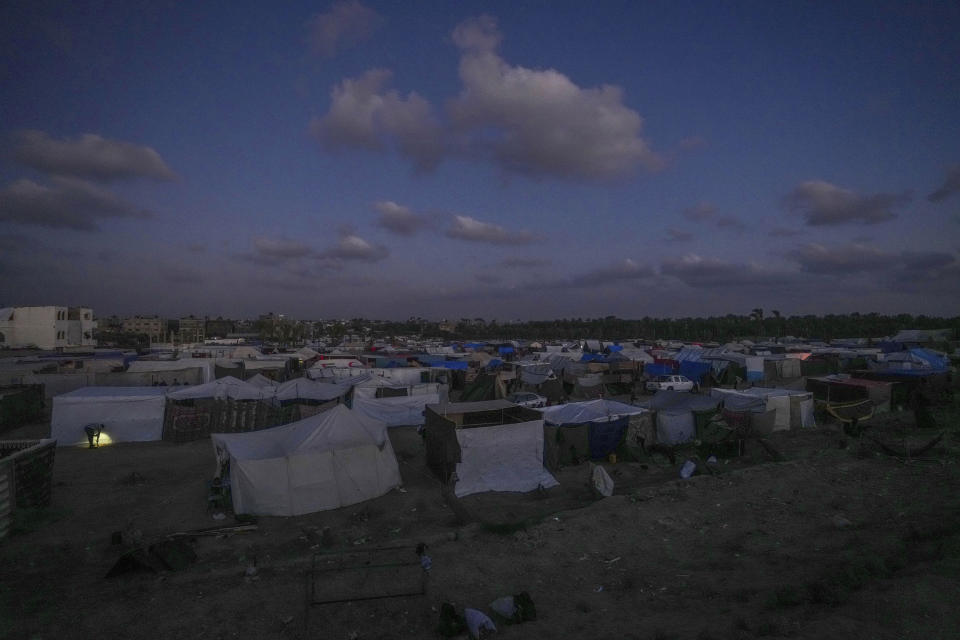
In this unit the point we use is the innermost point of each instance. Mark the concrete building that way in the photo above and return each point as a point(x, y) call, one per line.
point(47, 328)
point(154, 327)
point(192, 330)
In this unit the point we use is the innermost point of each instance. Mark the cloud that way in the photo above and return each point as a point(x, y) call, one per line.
point(620, 271)
point(534, 122)
point(822, 203)
point(538, 122)
point(692, 142)
point(844, 259)
point(280, 248)
point(353, 247)
point(344, 24)
point(699, 212)
point(526, 263)
point(730, 222)
point(67, 203)
point(917, 269)
point(90, 157)
point(678, 235)
point(364, 115)
point(473, 230)
point(706, 273)
point(488, 278)
point(398, 218)
point(197, 247)
point(950, 186)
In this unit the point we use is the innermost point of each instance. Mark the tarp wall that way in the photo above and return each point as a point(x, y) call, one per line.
point(502, 458)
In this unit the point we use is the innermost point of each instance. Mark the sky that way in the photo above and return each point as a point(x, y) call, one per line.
point(466, 159)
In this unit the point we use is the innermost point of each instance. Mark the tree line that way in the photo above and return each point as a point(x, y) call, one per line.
point(756, 324)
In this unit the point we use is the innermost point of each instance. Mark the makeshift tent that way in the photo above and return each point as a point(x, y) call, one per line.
point(680, 415)
point(486, 446)
point(128, 414)
point(791, 409)
point(193, 370)
point(261, 381)
point(577, 431)
point(330, 460)
point(225, 405)
point(397, 411)
point(844, 389)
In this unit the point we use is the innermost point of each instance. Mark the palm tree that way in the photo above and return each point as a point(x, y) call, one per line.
point(776, 316)
point(757, 314)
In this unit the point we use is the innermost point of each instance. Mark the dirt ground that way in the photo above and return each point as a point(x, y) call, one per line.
point(839, 541)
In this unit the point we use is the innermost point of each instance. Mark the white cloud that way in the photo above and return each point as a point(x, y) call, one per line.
point(535, 122)
point(699, 272)
point(845, 259)
point(398, 218)
point(67, 203)
point(344, 24)
point(353, 247)
point(362, 114)
point(473, 230)
point(89, 156)
point(822, 203)
point(538, 121)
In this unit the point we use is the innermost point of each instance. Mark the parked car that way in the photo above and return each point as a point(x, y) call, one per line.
point(527, 399)
point(671, 383)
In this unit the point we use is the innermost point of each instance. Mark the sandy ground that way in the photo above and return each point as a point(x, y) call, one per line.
point(836, 542)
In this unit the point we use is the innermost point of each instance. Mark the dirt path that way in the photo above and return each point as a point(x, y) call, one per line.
point(836, 542)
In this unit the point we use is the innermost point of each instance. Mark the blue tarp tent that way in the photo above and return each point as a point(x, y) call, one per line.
point(505, 350)
point(695, 370)
point(655, 369)
point(614, 347)
point(450, 364)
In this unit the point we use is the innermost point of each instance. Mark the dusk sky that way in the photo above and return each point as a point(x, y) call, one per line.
point(461, 159)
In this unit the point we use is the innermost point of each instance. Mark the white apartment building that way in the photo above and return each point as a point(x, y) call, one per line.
point(48, 328)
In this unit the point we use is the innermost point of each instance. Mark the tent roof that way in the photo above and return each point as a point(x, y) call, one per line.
point(304, 389)
point(261, 381)
point(469, 407)
point(681, 400)
point(227, 387)
point(580, 412)
point(338, 428)
point(98, 394)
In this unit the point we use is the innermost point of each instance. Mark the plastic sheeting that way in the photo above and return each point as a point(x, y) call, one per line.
point(675, 426)
point(580, 412)
point(228, 387)
point(397, 411)
point(128, 414)
point(305, 389)
point(505, 457)
point(327, 461)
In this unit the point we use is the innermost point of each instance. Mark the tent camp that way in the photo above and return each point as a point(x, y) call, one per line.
point(225, 405)
point(680, 414)
point(330, 460)
point(791, 409)
point(579, 431)
point(486, 446)
point(128, 414)
point(398, 411)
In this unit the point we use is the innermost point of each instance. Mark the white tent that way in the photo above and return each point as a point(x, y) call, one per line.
point(330, 460)
point(128, 414)
point(261, 381)
point(397, 411)
point(793, 408)
point(588, 411)
point(305, 389)
point(227, 387)
point(205, 365)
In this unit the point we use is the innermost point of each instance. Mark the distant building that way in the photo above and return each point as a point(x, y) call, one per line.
point(48, 328)
point(218, 328)
point(154, 327)
point(192, 330)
